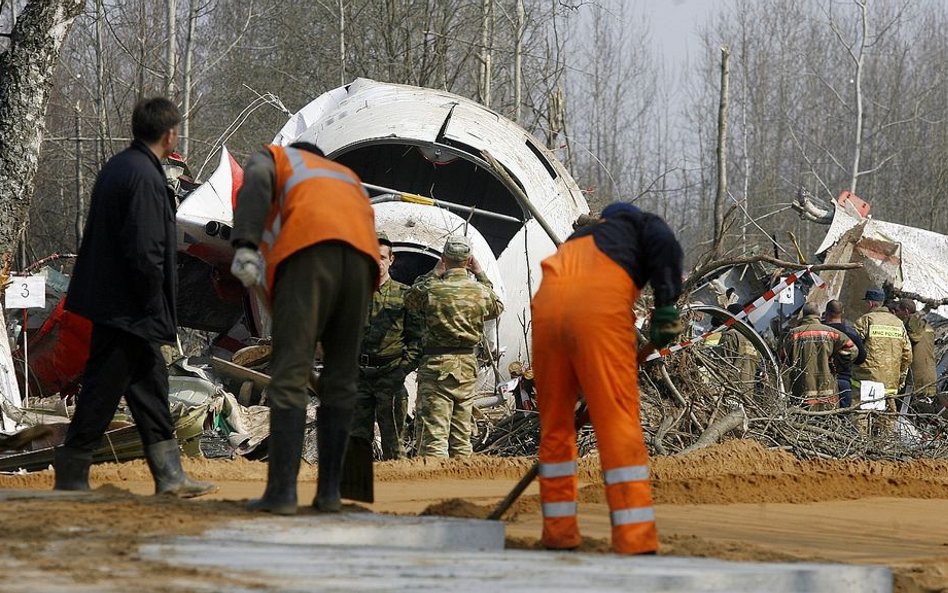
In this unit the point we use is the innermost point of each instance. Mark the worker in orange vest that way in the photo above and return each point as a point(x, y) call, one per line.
point(305, 226)
point(584, 338)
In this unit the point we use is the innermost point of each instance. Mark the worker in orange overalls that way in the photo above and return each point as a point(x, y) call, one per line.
point(584, 339)
point(305, 229)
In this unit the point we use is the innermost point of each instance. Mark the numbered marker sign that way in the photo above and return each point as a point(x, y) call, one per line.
point(26, 292)
point(786, 295)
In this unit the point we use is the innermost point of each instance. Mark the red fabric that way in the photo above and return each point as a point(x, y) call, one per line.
point(58, 351)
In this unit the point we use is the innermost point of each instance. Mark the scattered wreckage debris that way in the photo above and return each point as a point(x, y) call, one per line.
point(21, 439)
point(516, 201)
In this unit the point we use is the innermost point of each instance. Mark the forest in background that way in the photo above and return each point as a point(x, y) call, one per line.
point(823, 95)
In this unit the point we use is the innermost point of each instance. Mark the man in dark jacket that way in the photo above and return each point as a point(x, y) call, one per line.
point(125, 283)
point(833, 317)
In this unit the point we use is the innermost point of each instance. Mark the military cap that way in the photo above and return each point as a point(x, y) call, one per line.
point(383, 239)
point(874, 294)
point(457, 248)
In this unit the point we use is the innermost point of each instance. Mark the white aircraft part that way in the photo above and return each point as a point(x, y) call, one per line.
point(919, 264)
point(209, 203)
point(367, 112)
point(372, 112)
point(9, 388)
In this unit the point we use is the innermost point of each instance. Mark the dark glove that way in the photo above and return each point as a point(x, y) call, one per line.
point(665, 325)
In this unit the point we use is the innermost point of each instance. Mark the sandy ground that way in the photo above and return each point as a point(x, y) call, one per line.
point(735, 501)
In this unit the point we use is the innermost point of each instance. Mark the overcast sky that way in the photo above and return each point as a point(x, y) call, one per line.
point(674, 25)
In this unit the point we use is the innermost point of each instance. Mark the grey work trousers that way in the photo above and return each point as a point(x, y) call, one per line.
point(320, 294)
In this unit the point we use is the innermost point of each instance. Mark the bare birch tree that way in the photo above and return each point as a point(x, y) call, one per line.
point(26, 68)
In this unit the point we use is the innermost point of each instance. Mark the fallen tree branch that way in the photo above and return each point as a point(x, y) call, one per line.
point(716, 431)
point(705, 270)
point(810, 210)
point(933, 303)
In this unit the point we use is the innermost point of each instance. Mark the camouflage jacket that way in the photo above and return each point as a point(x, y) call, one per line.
point(390, 329)
point(453, 308)
point(807, 350)
point(922, 337)
point(888, 351)
point(739, 352)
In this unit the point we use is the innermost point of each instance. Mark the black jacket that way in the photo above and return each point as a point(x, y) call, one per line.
point(125, 276)
point(844, 368)
point(646, 249)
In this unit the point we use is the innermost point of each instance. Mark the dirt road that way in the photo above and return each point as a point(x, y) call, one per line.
point(735, 501)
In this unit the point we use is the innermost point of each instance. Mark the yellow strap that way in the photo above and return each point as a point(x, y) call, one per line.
point(416, 199)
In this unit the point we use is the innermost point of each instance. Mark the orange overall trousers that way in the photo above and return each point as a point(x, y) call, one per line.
point(584, 339)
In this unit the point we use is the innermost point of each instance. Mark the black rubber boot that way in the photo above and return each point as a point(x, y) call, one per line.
point(72, 468)
point(332, 437)
point(164, 460)
point(285, 450)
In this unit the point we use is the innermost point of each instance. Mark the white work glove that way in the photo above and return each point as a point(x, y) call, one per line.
point(247, 266)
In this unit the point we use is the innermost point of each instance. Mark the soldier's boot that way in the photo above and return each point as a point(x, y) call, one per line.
point(332, 437)
point(72, 468)
point(285, 449)
point(164, 461)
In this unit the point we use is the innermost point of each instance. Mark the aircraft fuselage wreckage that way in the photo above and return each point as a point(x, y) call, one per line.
point(434, 164)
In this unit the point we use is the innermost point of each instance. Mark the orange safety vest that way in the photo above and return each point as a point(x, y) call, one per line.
point(315, 200)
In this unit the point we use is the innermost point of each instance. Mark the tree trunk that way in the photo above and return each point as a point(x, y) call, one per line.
point(26, 71)
point(186, 84)
point(859, 60)
point(342, 43)
point(101, 115)
point(721, 194)
point(487, 25)
point(518, 61)
point(171, 50)
point(80, 205)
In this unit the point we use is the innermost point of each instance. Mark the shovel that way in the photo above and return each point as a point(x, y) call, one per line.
point(357, 481)
point(582, 417)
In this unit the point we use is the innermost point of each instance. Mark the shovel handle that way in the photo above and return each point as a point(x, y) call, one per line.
point(582, 417)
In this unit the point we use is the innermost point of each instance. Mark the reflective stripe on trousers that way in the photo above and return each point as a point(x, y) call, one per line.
point(558, 470)
point(552, 510)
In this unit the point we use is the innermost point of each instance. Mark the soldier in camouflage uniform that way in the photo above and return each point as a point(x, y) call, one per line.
point(923, 373)
point(740, 354)
point(391, 347)
point(888, 353)
point(453, 308)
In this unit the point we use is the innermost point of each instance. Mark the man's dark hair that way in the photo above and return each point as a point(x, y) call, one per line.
point(907, 305)
point(309, 147)
point(152, 117)
point(809, 309)
point(834, 308)
point(734, 308)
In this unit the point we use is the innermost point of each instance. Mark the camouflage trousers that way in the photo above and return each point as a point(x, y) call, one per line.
point(443, 421)
point(382, 399)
